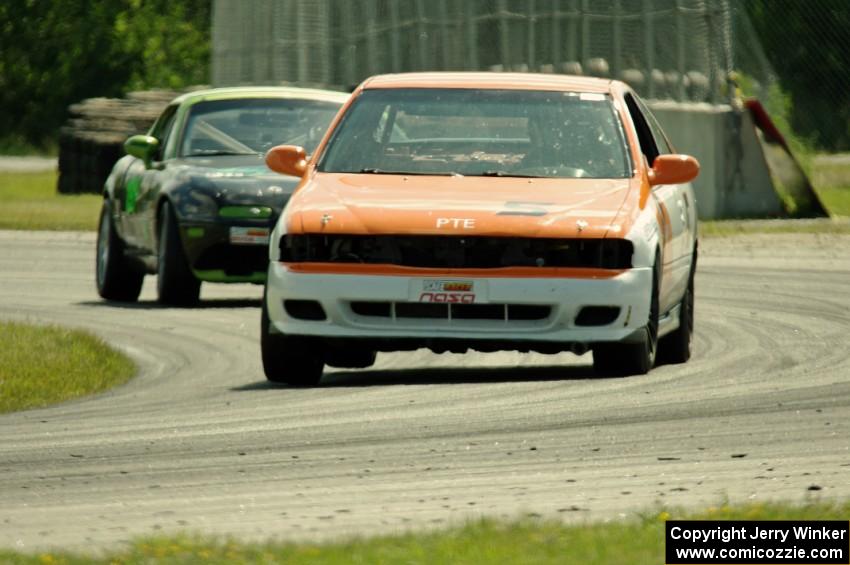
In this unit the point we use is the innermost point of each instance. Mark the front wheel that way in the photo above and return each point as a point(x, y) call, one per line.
point(636, 358)
point(350, 358)
point(115, 279)
point(176, 285)
point(293, 360)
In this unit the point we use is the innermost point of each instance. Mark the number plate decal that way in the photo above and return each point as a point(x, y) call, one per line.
point(249, 236)
point(448, 291)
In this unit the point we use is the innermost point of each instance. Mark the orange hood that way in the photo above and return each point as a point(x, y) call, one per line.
point(455, 205)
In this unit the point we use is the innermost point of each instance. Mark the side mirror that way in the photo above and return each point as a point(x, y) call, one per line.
point(287, 160)
point(673, 169)
point(142, 147)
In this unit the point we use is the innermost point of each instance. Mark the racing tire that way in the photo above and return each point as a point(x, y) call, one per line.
point(350, 358)
point(675, 348)
point(296, 361)
point(176, 285)
point(114, 277)
point(633, 358)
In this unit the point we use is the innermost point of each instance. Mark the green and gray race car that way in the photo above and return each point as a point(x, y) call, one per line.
point(193, 199)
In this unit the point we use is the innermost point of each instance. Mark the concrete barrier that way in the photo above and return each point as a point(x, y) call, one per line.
point(734, 180)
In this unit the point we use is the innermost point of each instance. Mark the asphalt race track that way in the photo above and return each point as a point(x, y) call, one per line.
point(199, 441)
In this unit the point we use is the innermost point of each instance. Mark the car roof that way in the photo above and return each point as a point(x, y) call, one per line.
point(237, 92)
point(492, 80)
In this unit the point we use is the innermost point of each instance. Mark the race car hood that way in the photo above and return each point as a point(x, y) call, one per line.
point(202, 186)
point(458, 205)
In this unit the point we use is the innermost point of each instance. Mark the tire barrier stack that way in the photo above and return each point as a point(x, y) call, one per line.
point(93, 138)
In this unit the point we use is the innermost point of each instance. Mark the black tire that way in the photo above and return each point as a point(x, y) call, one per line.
point(637, 358)
point(350, 358)
point(176, 285)
point(296, 361)
point(675, 347)
point(114, 277)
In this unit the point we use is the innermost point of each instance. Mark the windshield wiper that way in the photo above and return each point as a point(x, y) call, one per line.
point(219, 153)
point(505, 174)
point(376, 171)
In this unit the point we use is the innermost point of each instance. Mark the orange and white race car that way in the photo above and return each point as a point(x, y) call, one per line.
point(485, 211)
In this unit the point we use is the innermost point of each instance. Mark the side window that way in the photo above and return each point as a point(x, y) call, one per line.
point(644, 133)
point(661, 140)
point(162, 129)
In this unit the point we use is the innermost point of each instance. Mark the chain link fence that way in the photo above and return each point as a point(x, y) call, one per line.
point(793, 56)
point(666, 49)
point(670, 51)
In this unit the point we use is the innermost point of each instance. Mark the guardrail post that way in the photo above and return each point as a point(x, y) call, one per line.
point(617, 40)
point(681, 62)
point(648, 46)
point(422, 34)
point(471, 36)
point(395, 48)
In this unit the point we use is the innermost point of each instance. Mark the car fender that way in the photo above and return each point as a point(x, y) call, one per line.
point(646, 237)
point(184, 192)
point(116, 176)
point(114, 192)
point(278, 232)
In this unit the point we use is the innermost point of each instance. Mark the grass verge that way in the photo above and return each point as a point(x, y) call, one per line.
point(830, 174)
point(16, 145)
point(727, 228)
point(29, 201)
point(638, 541)
point(836, 199)
point(42, 365)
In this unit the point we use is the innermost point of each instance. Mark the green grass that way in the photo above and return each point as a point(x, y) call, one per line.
point(42, 365)
point(728, 228)
point(29, 201)
point(830, 176)
point(637, 541)
point(16, 145)
point(836, 199)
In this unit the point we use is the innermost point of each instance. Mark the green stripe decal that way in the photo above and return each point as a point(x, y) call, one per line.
point(217, 275)
point(132, 194)
point(245, 212)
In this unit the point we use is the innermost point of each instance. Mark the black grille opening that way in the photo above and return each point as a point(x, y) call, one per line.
point(456, 251)
point(305, 309)
point(234, 259)
point(421, 310)
point(430, 310)
point(528, 312)
point(478, 311)
point(597, 315)
point(375, 309)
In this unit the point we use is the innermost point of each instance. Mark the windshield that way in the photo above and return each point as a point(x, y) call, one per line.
point(479, 132)
point(253, 125)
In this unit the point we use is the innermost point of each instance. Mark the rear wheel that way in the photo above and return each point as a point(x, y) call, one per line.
point(635, 358)
point(176, 284)
point(296, 361)
point(675, 347)
point(115, 278)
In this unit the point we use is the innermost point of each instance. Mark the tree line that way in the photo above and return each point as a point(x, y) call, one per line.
point(57, 52)
point(808, 46)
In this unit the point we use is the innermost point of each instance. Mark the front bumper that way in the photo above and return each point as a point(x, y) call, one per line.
point(565, 297)
point(214, 258)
